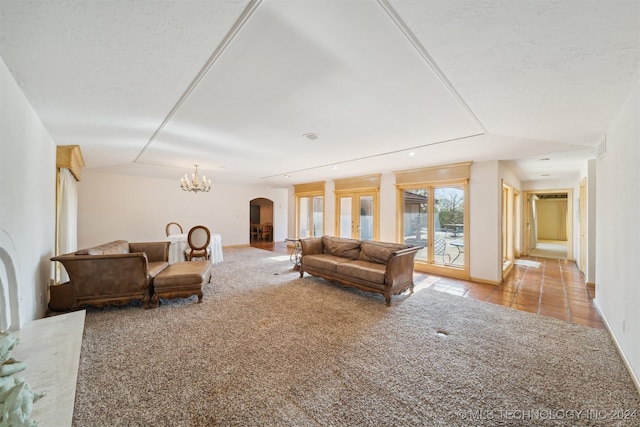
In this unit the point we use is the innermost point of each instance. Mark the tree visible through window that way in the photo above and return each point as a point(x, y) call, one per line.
point(434, 218)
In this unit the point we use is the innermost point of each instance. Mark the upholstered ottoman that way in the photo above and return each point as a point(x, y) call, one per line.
point(180, 280)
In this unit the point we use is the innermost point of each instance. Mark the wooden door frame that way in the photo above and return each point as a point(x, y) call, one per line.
point(527, 218)
point(429, 266)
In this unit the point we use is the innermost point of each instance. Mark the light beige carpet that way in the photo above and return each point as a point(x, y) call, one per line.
point(266, 348)
point(550, 249)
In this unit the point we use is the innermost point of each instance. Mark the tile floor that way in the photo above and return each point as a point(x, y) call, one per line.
point(545, 286)
point(553, 288)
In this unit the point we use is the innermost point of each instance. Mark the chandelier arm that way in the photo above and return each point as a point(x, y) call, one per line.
point(195, 185)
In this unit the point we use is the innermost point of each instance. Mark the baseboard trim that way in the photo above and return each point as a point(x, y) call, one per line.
point(634, 377)
point(485, 281)
point(507, 270)
point(245, 245)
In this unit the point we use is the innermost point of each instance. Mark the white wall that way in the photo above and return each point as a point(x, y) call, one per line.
point(330, 208)
point(507, 176)
point(137, 209)
point(388, 206)
point(27, 195)
point(485, 196)
point(618, 233)
point(592, 203)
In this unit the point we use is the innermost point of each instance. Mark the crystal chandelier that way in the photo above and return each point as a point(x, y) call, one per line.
point(194, 184)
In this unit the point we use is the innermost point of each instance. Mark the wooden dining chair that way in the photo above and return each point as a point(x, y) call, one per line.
point(255, 232)
point(173, 228)
point(266, 232)
point(198, 243)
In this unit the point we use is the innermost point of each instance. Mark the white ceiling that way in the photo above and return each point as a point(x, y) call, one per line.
point(152, 87)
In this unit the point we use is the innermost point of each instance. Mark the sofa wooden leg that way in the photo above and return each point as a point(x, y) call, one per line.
point(387, 299)
point(301, 273)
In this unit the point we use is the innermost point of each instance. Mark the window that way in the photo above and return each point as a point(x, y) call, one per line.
point(433, 215)
point(357, 207)
point(309, 209)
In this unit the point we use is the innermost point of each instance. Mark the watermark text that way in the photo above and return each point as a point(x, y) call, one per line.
point(547, 414)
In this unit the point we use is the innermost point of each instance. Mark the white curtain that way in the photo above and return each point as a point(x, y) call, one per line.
point(552, 219)
point(67, 217)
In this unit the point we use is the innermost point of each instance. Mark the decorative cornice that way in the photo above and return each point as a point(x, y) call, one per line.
point(70, 157)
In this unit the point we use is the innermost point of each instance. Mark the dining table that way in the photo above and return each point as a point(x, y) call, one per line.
point(178, 243)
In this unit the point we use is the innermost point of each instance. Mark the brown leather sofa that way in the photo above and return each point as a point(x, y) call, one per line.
point(112, 273)
point(384, 268)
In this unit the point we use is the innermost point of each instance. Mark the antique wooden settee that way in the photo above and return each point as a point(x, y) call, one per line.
point(384, 268)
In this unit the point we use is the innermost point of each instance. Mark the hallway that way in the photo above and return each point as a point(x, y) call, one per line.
point(550, 249)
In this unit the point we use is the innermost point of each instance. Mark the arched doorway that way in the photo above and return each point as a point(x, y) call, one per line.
point(261, 220)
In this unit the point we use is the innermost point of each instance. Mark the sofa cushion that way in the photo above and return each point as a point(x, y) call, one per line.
point(341, 247)
point(364, 270)
point(183, 274)
point(111, 248)
point(324, 262)
point(378, 252)
point(155, 267)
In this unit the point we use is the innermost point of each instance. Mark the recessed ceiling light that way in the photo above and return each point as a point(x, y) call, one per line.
point(411, 154)
point(334, 167)
point(311, 136)
point(287, 176)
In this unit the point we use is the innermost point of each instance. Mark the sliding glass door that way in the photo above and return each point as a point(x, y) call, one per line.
point(434, 217)
point(309, 210)
point(310, 218)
